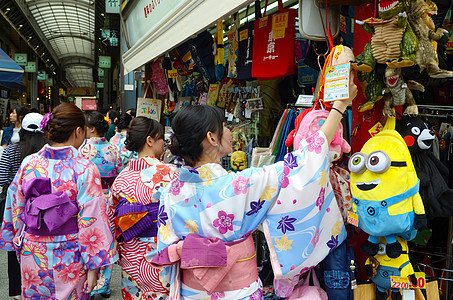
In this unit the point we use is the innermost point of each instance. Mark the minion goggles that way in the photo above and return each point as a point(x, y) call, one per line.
point(376, 162)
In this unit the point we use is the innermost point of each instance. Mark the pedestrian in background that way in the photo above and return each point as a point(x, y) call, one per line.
point(119, 139)
point(111, 115)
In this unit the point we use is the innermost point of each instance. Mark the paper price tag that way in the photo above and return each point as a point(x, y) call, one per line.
point(336, 86)
point(263, 22)
point(353, 219)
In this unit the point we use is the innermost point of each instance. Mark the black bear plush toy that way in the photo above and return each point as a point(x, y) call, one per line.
point(436, 195)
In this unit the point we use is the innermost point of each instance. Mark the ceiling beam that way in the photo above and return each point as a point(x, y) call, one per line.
point(30, 18)
point(76, 36)
point(63, 2)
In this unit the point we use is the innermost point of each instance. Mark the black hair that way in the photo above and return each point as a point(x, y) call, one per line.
point(139, 129)
point(133, 111)
point(190, 126)
point(96, 119)
point(20, 112)
point(123, 121)
point(112, 115)
point(34, 109)
point(30, 142)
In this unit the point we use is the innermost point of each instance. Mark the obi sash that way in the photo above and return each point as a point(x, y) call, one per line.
point(133, 219)
point(209, 264)
point(47, 213)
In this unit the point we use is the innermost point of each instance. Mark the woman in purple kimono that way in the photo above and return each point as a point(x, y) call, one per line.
point(207, 215)
point(55, 216)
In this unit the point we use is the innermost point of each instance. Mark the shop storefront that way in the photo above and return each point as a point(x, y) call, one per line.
point(261, 62)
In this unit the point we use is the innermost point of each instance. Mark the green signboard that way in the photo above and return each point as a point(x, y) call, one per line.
point(30, 67)
point(20, 59)
point(104, 62)
point(41, 75)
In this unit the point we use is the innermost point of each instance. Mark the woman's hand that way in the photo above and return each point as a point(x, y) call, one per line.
point(91, 282)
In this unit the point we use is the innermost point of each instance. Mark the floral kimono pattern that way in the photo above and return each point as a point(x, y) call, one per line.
point(139, 181)
point(104, 155)
point(54, 267)
point(119, 140)
point(107, 158)
point(292, 198)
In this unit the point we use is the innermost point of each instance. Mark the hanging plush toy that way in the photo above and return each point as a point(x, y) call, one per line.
point(436, 195)
point(384, 187)
point(380, 267)
point(420, 19)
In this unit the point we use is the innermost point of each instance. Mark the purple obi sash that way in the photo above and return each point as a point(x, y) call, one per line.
point(134, 219)
point(47, 213)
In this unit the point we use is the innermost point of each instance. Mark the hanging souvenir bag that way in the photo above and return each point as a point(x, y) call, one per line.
point(245, 50)
point(149, 107)
point(307, 291)
point(274, 44)
point(233, 47)
point(159, 77)
point(219, 51)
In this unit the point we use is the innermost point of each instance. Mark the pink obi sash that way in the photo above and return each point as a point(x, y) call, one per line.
point(209, 264)
point(240, 271)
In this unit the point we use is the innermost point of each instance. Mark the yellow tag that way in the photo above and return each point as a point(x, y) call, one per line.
point(243, 35)
point(449, 44)
point(353, 219)
point(280, 21)
point(376, 129)
point(405, 283)
point(434, 44)
point(173, 73)
point(231, 35)
point(279, 33)
point(263, 22)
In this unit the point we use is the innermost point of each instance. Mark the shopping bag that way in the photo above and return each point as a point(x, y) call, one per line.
point(274, 44)
point(245, 49)
point(310, 292)
point(233, 47)
point(149, 107)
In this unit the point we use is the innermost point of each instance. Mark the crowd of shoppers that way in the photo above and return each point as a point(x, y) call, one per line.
point(84, 191)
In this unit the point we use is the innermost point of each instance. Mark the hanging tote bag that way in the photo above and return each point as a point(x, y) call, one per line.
point(149, 107)
point(233, 47)
point(245, 50)
point(274, 39)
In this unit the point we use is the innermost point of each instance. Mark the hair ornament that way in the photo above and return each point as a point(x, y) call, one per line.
point(45, 120)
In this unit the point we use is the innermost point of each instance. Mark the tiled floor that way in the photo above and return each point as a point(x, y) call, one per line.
point(115, 284)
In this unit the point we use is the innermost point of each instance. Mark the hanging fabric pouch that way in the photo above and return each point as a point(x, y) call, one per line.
point(274, 44)
point(307, 291)
point(233, 47)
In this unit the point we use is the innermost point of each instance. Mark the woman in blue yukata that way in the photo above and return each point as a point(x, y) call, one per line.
point(207, 215)
point(107, 158)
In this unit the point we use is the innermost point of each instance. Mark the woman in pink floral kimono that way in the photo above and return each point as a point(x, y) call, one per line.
point(55, 216)
point(135, 214)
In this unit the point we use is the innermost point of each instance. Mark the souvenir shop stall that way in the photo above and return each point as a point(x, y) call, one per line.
point(274, 67)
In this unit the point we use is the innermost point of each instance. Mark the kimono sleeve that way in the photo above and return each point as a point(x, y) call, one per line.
point(14, 207)
point(119, 163)
point(305, 224)
point(95, 236)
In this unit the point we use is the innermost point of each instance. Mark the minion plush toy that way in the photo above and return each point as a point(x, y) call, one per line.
point(380, 267)
point(384, 188)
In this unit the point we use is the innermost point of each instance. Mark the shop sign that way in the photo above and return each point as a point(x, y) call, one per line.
point(20, 59)
point(148, 15)
point(30, 67)
point(75, 91)
point(4, 94)
point(49, 81)
point(41, 75)
point(100, 85)
point(101, 72)
point(112, 6)
point(128, 87)
point(104, 62)
point(60, 92)
point(109, 37)
point(89, 104)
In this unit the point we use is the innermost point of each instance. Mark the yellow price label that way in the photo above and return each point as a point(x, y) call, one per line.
point(376, 129)
point(243, 35)
point(405, 283)
point(353, 219)
point(263, 22)
point(173, 73)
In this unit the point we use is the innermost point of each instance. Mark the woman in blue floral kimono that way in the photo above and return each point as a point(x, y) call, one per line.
point(55, 216)
point(107, 158)
point(119, 139)
point(207, 215)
